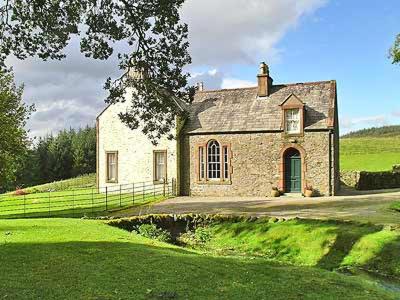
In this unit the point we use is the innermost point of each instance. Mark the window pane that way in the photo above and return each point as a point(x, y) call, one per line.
point(111, 166)
point(160, 164)
point(214, 160)
point(226, 164)
point(201, 163)
point(292, 120)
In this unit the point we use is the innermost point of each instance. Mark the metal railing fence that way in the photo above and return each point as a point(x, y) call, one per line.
point(83, 201)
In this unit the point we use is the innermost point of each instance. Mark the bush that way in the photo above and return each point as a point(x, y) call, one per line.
point(196, 238)
point(151, 231)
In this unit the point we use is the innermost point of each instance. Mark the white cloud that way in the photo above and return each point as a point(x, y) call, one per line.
point(396, 113)
point(231, 83)
point(222, 33)
point(227, 32)
point(350, 124)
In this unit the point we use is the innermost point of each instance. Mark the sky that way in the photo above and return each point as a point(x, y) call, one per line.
point(301, 40)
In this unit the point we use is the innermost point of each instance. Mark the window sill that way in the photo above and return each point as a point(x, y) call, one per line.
point(210, 182)
point(160, 182)
point(112, 181)
point(289, 135)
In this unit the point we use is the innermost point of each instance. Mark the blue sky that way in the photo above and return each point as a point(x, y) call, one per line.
point(347, 41)
point(301, 40)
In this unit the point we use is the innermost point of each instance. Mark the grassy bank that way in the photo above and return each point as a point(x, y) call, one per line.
point(81, 259)
point(395, 206)
point(324, 244)
point(369, 153)
point(84, 181)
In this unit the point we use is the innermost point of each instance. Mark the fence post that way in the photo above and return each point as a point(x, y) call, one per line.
point(73, 203)
point(49, 202)
point(174, 188)
point(143, 191)
point(120, 196)
point(106, 198)
point(164, 181)
point(92, 199)
point(133, 193)
point(24, 206)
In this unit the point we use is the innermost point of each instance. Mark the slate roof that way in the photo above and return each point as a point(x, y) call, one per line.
point(241, 109)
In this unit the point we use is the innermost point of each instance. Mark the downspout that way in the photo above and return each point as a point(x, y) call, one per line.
point(330, 162)
point(180, 123)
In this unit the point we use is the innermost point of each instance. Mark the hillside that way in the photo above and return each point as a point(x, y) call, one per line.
point(384, 131)
point(374, 149)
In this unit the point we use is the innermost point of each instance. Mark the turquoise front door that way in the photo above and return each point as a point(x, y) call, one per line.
point(293, 171)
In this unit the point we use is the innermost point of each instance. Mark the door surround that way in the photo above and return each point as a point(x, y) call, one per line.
point(282, 167)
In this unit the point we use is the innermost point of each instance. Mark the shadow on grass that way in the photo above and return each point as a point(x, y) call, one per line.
point(346, 238)
point(126, 270)
point(387, 262)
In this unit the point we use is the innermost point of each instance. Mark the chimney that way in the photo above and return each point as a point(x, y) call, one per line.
point(200, 86)
point(264, 81)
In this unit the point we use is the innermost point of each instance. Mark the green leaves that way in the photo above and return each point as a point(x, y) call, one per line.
point(394, 52)
point(14, 141)
point(150, 32)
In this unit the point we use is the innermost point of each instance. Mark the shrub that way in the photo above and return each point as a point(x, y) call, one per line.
point(196, 238)
point(20, 192)
point(151, 231)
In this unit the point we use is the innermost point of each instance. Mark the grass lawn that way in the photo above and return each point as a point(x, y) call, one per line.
point(79, 201)
point(83, 259)
point(369, 153)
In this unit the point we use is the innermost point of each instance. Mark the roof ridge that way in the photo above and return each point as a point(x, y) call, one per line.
point(255, 87)
point(226, 90)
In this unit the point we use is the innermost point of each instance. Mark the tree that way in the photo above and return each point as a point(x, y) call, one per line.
point(84, 151)
point(395, 51)
point(151, 32)
point(14, 140)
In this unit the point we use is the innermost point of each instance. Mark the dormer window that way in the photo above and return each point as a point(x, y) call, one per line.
point(293, 116)
point(292, 124)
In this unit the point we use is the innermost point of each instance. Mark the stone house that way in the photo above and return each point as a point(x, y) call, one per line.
point(234, 142)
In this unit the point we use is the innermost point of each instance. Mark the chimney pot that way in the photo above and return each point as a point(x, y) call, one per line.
point(200, 86)
point(264, 81)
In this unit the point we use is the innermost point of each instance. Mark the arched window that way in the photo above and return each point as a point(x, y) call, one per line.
point(214, 160)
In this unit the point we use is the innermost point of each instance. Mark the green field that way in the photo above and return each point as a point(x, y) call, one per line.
point(85, 259)
point(68, 199)
point(369, 153)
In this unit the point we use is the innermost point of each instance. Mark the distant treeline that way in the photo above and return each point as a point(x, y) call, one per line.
point(385, 131)
point(68, 154)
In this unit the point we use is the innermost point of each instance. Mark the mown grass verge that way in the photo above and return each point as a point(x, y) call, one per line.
point(86, 259)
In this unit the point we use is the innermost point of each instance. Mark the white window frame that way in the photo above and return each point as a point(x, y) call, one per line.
point(290, 117)
point(111, 164)
point(157, 176)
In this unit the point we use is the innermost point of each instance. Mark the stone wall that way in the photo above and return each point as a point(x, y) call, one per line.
point(350, 178)
point(135, 151)
point(257, 163)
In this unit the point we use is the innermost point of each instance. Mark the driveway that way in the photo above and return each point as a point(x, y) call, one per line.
point(371, 207)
